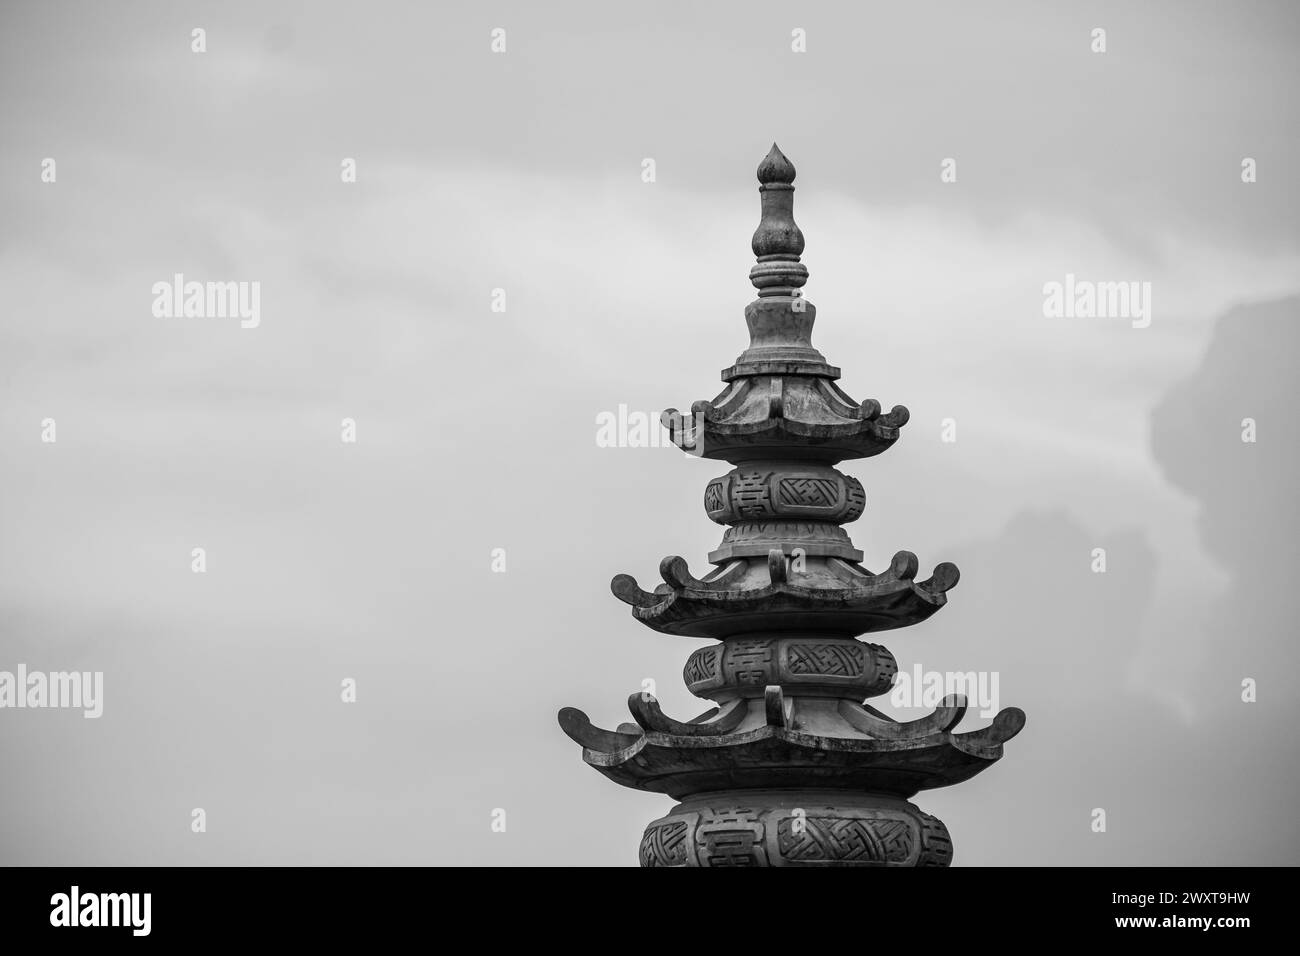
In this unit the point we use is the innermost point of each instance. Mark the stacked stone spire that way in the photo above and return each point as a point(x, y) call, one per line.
point(792, 766)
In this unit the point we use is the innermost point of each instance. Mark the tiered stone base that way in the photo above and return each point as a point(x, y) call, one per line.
point(783, 828)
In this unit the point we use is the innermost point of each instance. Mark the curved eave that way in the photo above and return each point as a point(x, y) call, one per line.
point(772, 756)
point(690, 607)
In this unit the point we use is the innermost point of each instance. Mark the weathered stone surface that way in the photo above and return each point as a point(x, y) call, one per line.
point(777, 490)
point(792, 768)
point(810, 666)
point(773, 828)
point(780, 578)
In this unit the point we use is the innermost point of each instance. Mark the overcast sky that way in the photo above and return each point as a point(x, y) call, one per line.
point(476, 429)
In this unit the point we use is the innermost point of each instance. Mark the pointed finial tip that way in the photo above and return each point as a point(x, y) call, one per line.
point(775, 168)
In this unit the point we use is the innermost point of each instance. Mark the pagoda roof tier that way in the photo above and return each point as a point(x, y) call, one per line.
point(746, 595)
point(721, 751)
point(784, 416)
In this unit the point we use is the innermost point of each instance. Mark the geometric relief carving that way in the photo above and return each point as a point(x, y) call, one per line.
point(749, 492)
point(701, 665)
point(664, 844)
point(758, 835)
point(936, 843)
point(746, 666)
point(715, 496)
point(857, 502)
point(808, 492)
point(835, 660)
point(847, 840)
point(749, 661)
point(730, 837)
point(818, 492)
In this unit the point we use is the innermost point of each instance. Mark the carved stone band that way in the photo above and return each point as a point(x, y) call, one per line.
point(816, 492)
point(745, 667)
point(851, 832)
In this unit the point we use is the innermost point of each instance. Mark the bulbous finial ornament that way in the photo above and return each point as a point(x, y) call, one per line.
point(777, 243)
point(775, 168)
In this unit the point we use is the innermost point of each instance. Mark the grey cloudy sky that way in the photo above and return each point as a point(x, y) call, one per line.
point(476, 429)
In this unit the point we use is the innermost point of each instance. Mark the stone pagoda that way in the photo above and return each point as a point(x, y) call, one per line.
point(792, 767)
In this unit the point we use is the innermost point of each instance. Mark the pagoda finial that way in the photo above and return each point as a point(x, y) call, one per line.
point(775, 168)
point(777, 243)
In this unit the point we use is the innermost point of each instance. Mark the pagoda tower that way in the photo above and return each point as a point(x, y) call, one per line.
point(792, 767)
